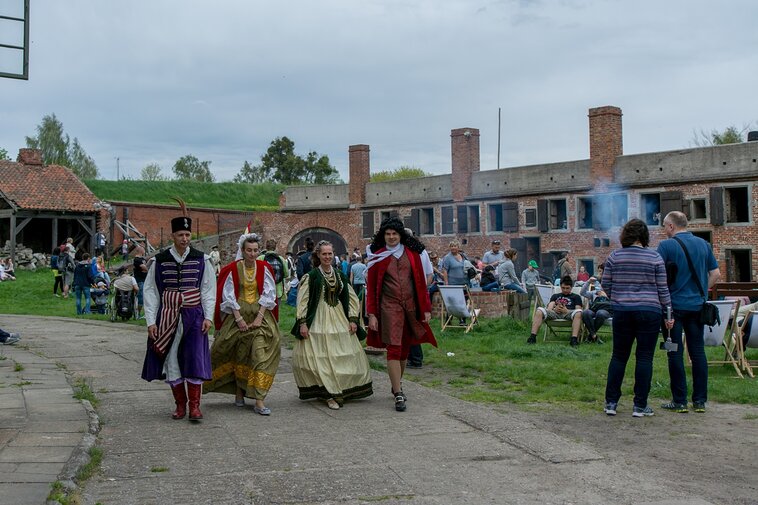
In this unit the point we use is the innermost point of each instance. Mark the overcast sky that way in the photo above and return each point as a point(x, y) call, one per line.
point(152, 80)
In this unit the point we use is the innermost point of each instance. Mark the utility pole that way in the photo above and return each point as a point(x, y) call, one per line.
point(117, 169)
point(498, 138)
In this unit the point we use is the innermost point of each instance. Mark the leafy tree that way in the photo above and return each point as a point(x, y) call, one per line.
point(404, 172)
point(317, 170)
point(730, 135)
point(4, 154)
point(58, 149)
point(190, 168)
point(80, 162)
point(251, 174)
point(152, 172)
point(282, 165)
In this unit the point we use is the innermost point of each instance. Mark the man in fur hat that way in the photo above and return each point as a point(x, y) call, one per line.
point(179, 298)
point(397, 301)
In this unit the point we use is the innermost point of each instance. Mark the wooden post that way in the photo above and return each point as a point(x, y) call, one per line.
point(55, 234)
point(13, 238)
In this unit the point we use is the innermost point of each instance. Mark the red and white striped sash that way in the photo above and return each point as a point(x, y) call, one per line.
point(172, 302)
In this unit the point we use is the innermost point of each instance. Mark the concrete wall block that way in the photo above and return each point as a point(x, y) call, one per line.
point(316, 197)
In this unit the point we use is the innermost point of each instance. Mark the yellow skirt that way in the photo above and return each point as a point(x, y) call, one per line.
point(246, 360)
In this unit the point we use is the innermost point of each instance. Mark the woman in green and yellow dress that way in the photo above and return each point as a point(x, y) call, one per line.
point(328, 360)
point(246, 349)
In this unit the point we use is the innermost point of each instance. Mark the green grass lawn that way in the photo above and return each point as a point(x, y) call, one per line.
point(492, 364)
point(32, 293)
point(222, 195)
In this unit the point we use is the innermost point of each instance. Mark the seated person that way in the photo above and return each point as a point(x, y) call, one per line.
point(489, 281)
point(437, 277)
point(4, 275)
point(506, 273)
point(9, 268)
point(565, 306)
point(582, 276)
point(599, 308)
point(125, 281)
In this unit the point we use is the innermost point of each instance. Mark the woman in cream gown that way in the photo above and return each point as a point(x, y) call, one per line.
point(328, 360)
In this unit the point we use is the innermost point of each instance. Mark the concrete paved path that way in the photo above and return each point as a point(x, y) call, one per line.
point(440, 451)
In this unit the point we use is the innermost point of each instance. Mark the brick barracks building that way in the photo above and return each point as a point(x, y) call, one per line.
point(540, 210)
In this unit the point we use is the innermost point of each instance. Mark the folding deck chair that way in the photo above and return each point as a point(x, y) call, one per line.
point(544, 292)
point(752, 341)
point(457, 305)
point(725, 335)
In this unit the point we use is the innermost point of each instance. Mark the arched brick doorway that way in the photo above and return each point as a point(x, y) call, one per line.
point(297, 243)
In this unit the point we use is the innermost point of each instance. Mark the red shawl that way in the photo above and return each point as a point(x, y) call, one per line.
point(374, 281)
point(231, 269)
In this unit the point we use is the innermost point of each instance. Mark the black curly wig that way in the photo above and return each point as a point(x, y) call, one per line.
point(395, 223)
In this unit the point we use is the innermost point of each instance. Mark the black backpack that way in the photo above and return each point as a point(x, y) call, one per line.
point(275, 261)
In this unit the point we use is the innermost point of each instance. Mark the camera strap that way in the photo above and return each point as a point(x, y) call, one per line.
point(692, 268)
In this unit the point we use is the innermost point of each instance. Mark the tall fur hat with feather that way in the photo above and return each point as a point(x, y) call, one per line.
point(183, 222)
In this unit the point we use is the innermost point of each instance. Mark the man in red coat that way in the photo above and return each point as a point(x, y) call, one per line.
point(397, 301)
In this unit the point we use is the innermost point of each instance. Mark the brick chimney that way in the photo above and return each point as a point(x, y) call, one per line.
point(464, 147)
point(606, 142)
point(30, 156)
point(360, 173)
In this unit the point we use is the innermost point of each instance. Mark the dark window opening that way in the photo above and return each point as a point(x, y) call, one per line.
point(558, 215)
point(738, 265)
point(698, 209)
point(368, 224)
point(426, 225)
point(496, 217)
point(447, 220)
point(530, 218)
point(705, 235)
point(584, 213)
point(650, 209)
point(737, 210)
point(468, 219)
point(532, 251)
point(620, 210)
point(473, 219)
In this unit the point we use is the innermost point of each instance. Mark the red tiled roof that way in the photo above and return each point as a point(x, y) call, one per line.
point(48, 187)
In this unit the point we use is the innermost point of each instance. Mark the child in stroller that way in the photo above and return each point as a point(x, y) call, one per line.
point(100, 294)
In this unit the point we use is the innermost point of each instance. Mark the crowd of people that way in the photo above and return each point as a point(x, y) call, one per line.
point(383, 295)
point(87, 279)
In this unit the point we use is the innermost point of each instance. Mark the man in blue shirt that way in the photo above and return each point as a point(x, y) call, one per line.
point(686, 302)
point(494, 256)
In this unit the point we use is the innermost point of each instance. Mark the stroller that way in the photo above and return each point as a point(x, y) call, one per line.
point(123, 304)
point(100, 295)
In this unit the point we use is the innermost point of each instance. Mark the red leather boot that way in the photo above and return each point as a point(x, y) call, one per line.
point(194, 391)
point(180, 397)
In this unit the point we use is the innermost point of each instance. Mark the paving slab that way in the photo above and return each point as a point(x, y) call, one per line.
point(23, 493)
